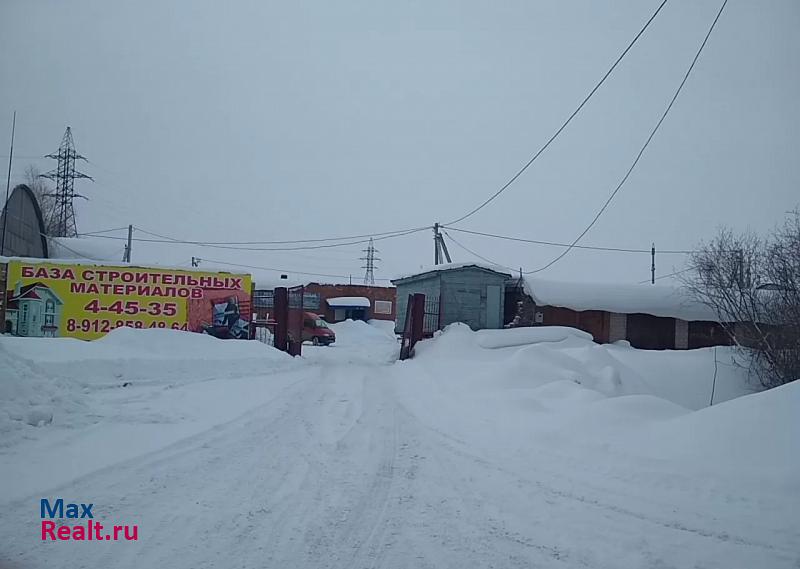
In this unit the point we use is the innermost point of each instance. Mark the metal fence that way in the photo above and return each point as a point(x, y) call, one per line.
point(432, 320)
point(279, 326)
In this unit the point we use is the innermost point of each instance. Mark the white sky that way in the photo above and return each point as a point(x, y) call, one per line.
point(288, 120)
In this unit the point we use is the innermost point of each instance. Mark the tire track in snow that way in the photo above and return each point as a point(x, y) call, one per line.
point(457, 447)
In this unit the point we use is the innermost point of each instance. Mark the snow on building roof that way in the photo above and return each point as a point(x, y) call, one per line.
point(657, 300)
point(451, 266)
point(348, 302)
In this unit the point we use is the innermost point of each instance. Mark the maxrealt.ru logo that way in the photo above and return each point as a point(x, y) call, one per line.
point(88, 530)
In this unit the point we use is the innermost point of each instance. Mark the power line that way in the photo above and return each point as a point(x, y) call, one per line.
point(566, 122)
point(644, 147)
point(58, 242)
point(676, 273)
point(490, 261)
point(556, 244)
point(286, 242)
point(100, 231)
point(471, 252)
point(279, 270)
point(232, 248)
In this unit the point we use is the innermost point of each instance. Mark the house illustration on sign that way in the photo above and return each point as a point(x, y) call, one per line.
point(33, 310)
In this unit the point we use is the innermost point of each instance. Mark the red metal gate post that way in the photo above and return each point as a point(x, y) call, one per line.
point(281, 307)
point(417, 318)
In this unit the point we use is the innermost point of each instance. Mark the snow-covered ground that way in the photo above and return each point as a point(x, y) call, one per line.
point(511, 448)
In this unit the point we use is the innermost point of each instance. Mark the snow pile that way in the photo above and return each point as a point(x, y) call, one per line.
point(753, 433)
point(524, 336)
point(528, 358)
point(131, 355)
point(357, 342)
point(613, 415)
point(50, 380)
point(27, 397)
point(385, 326)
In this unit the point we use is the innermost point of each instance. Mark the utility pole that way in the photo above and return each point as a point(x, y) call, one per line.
point(437, 254)
point(196, 262)
point(369, 259)
point(8, 185)
point(440, 248)
point(653, 264)
point(443, 247)
point(127, 256)
point(65, 175)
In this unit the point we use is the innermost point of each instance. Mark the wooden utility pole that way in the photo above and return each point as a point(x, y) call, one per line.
point(127, 256)
point(653, 264)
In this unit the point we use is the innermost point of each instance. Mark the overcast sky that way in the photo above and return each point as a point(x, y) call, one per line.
point(260, 120)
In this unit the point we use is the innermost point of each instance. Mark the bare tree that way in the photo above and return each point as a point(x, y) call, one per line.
point(44, 195)
point(752, 285)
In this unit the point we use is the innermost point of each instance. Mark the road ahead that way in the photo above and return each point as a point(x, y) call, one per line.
point(339, 471)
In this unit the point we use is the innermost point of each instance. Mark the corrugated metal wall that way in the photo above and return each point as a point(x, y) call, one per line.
point(463, 293)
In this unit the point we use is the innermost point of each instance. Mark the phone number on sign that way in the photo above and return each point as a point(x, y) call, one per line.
point(134, 307)
point(103, 326)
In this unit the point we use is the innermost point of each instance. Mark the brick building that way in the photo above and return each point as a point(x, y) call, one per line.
point(338, 302)
point(649, 317)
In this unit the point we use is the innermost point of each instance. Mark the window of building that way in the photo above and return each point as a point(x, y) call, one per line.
point(311, 300)
point(49, 312)
point(263, 299)
point(383, 307)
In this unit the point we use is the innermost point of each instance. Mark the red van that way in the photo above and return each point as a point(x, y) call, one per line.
point(316, 330)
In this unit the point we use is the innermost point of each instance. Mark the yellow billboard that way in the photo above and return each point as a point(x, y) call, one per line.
point(87, 301)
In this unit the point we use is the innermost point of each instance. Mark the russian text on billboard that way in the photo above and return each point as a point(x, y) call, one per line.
point(87, 301)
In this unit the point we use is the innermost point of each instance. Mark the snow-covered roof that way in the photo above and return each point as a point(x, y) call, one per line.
point(657, 300)
point(450, 266)
point(348, 302)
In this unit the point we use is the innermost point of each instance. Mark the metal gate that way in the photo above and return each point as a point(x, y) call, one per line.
point(279, 318)
point(294, 328)
point(264, 321)
point(414, 326)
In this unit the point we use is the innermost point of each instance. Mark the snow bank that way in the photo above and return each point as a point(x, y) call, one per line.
point(759, 432)
point(357, 342)
point(47, 381)
point(523, 336)
point(612, 407)
point(141, 355)
point(527, 358)
point(385, 326)
point(27, 397)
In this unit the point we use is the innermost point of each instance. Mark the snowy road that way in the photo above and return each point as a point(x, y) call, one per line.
point(344, 468)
